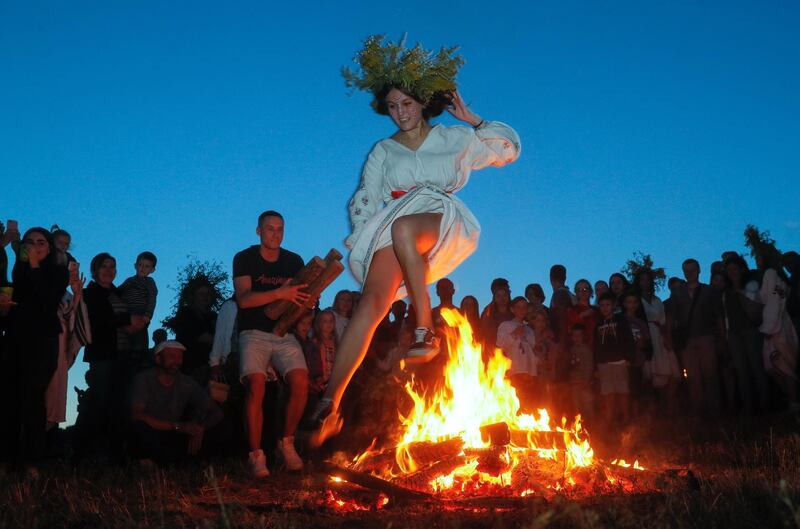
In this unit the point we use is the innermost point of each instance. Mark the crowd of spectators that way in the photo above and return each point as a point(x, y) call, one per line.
point(612, 351)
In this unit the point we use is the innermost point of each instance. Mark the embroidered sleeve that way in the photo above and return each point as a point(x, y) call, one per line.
point(367, 198)
point(495, 143)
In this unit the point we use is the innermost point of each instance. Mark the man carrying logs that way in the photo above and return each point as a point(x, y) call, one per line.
point(262, 276)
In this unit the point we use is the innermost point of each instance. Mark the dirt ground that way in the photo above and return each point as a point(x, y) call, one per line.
point(747, 475)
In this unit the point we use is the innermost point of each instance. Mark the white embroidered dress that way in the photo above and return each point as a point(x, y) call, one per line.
point(397, 181)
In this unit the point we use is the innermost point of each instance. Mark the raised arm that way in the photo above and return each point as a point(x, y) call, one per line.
point(493, 143)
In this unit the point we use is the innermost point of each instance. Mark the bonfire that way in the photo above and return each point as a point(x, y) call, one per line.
point(469, 439)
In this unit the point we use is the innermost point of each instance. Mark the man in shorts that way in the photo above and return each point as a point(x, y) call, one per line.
point(261, 275)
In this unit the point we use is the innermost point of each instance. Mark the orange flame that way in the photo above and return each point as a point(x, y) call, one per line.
point(475, 394)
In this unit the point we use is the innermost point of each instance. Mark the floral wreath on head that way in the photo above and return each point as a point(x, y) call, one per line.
point(417, 71)
point(762, 245)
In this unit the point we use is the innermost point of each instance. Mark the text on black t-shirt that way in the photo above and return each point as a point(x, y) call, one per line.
point(264, 276)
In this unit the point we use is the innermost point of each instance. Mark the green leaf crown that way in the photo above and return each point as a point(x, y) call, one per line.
point(416, 71)
point(762, 245)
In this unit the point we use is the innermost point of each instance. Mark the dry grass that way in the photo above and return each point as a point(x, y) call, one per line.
point(749, 476)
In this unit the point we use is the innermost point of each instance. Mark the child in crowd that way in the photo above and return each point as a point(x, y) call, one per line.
point(139, 293)
point(613, 350)
point(517, 342)
point(547, 350)
point(643, 350)
point(581, 371)
point(320, 351)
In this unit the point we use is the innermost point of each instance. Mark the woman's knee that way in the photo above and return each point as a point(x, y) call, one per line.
point(374, 304)
point(402, 231)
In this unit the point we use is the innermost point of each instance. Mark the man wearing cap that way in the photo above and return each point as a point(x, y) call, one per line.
point(171, 414)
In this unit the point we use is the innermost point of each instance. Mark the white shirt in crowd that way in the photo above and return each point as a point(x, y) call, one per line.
point(519, 349)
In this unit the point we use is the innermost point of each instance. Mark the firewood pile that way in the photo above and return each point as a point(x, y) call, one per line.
point(447, 470)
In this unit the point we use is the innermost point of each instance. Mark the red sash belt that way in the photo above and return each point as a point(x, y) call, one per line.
point(397, 193)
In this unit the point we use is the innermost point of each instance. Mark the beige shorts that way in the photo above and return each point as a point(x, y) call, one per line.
point(613, 378)
point(257, 349)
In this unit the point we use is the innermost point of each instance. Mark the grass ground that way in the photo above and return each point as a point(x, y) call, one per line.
point(749, 476)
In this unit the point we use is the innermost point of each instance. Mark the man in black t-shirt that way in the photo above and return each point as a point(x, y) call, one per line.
point(261, 275)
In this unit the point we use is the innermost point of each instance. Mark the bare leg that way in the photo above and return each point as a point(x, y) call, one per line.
point(253, 415)
point(298, 395)
point(382, 282)
point(412, 237)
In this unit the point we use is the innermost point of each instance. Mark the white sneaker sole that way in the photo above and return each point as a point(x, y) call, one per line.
point(421, 356)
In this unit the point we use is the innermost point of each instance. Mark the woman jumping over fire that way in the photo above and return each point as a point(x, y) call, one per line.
point(409, 229)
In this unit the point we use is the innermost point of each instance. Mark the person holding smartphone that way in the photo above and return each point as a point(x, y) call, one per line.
point(8, 234)
point(32, 353)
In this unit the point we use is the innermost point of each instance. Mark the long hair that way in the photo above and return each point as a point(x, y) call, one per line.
point(50, 259)
point(439, 101)
point(637, 281)
point(317, 325)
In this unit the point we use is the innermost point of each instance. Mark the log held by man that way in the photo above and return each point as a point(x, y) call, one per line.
point(318, 274)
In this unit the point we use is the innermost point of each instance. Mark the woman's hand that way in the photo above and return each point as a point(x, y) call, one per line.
point(33, 256)
point(461, 111)
point(5, 303)
point(9, 234)
point(77, 283)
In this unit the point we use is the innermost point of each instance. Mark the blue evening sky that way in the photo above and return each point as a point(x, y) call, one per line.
point(662, 127)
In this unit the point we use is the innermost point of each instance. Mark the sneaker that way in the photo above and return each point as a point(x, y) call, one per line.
point(323, 423)
point(425, 347)
point(289, 454)
point(257, 462)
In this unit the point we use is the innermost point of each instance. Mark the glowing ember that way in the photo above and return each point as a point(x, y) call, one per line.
point(470, 437)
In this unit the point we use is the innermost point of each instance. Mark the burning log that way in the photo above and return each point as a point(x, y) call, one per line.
point(423, 453)
point(535, 473)
point(497, 434)
point(343, 494)
point(591, 477)
point(328, 275)
point(493, 462)
point(393, 491)
point(377, 461)
point(421, 480)
point(643, 479)
point(531, 438)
